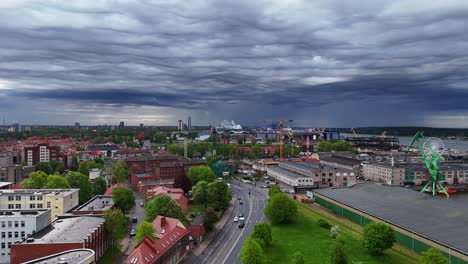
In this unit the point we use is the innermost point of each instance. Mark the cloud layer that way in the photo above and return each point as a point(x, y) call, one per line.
point(322, 63)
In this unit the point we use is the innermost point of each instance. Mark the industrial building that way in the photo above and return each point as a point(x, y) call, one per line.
point(59, 201)
point(66, 233)
point(19, 224)
point(420, 221)
point(75, 256)
point(385, 173)
point(96, 206)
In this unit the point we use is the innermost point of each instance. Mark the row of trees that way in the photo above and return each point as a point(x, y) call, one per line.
point(215, 194)
point(328, 146)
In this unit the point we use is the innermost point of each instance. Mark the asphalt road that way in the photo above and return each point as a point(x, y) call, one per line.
point(225, 248)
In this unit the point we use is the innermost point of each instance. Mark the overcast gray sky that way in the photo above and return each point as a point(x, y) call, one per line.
point(322, 63)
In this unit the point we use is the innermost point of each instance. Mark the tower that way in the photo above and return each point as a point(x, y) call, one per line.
point(180, 125)
point(189, 123)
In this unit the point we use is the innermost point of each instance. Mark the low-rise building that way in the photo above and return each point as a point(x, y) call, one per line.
point(123, 154)
point(175, 193)
point(16, 225)
point(343, 163)
point(96, 206)
point(75, 256)
point(59, 201)
point(197, 228)
point(385, 173)
point(66, 233)
point(15, 173)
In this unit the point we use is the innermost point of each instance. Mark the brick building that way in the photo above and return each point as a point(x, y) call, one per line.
point(42, 152)
point(66, 233)
point(175, 193)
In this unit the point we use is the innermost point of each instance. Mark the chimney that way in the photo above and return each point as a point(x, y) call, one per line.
point(163, 221)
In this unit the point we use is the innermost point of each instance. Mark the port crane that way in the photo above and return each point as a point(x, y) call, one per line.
point(281, 121)
point(429, 149)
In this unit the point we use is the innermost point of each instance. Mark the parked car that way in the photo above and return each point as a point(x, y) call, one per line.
point(264, 186)
point(132, 233)
point(291, 191)
point(135, 219)
point(236, 219)
point(142, 204)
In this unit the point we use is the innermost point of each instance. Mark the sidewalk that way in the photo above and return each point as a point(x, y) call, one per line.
point(198, 250)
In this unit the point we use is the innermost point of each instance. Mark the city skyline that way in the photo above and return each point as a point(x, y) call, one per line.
point(322, 64)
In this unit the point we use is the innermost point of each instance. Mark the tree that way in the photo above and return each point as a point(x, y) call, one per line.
point(255, 151)
point(36, 180)
point(74, 162)
point(83, 168)
point(337, 253)
point(120, 172)
point(175, 149)
point(274, 190)
point(56, 182)
point(201, 173)
point(251, 252)
point(57, 167)
point(200, 193)
point(298, 258)
point(144, 230)
point(324, 146)
point(99, 160)
point(45, 167)
point(219, 195)
point(116, 223)
point(123, 198)
point(100, 186)
point(262, 231)
point(378, 237)
point(210, 218)
point(281, 209)
point(433, 256)
point(165, 206)
point(80, 181)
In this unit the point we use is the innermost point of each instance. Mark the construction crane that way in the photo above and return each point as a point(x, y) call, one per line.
point(281, 121)
point(430, 152)
point(354, 131)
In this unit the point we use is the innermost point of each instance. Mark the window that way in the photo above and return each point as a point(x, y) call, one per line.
point(3, 245)
point(32, 206)
point(3, 234)
point(39, 198)
point(39, 205)
point(22, 234)
point(22, 223)
point(16, 234)
point(9, 235)
point(48, 204)
point(18, 206)
point(3, 224)
point(11, 206)
point(16, 224)
point(10, 224)
point(32, 198)
point(18, 198)
point(11, 198)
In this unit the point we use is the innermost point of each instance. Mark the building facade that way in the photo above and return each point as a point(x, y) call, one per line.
point(384, 173)
point(15, 173)
point(16, 225)
point(40, 153)
point(59, 201)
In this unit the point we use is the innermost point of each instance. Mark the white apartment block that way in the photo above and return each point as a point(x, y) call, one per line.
point(16, 225)
point(59, 201)
point(387, 174)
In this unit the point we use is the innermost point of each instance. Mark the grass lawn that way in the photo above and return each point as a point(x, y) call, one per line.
point(196, 208)
point(110, 255)
point(307, 236)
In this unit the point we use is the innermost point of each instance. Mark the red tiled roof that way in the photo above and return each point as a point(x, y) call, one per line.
point(128, 151)
point(167, 224)
point(109, 190)
point(149, 251)
point(174, 193)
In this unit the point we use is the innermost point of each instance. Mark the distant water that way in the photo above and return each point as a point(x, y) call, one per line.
point(458, 145)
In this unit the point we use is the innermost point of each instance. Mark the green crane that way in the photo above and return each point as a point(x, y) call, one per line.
point(429, 152)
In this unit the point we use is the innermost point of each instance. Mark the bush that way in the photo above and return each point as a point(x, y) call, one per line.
point(335, 231)
point(433, 256)
point(323, 224)
point(281, 209)
point(378, 237)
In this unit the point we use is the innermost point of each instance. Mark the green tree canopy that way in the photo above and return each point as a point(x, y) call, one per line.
point(201, 173)
point(378, 237)
point(74, 162)
point(116, 223)
point(298, 258)
point(80, 181)
point(99, 160)
point(210, 217)
point(433, 256)
point(83, 168)
point(57, 166)
point(123, 198)
point(175, 149)
point(251, 252)
point(262, 231)
point(274, 190)
point(100, 186)
point(219, 195)
point(200, 193)
point(143, 230)
point(163, 205)
point(337, 252)
point(45, 167)
point(120, 172)
point(57, 182)
point(36, 180)
point(328, 146)
point(281, 209)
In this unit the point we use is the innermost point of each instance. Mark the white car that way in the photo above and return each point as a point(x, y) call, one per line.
point(291, 191)
point(236, 219)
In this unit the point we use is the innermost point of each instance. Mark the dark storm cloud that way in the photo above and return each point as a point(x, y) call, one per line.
point(286, 55)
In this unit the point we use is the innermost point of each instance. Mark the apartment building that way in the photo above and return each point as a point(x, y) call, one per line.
point(15, 225)
point(15, 173)
point(384, 173)
point(42, 152)
point(59, 201)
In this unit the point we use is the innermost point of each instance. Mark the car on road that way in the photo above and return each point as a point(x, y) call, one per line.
point(135, 219)
point(264, 186)
point(132, 233)
point(229, 185)
point(241, 214)
point(291, 191)
point(240, 202)
point(238, 198)
point(142, 204)
point(241, 224)
point(236, 219)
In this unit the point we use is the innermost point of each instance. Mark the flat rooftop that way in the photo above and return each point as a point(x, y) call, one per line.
point(22, 213)
point(5, 184)
point(97, 203)
point(74, 256)
point(312, 166)
point(67, 230)
point(157, 182)
point(47, 192)
point(436, 218)
point(288, 172)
